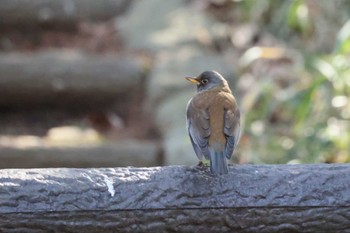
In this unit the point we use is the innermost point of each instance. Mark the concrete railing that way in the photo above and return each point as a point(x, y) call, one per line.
point(251, 198)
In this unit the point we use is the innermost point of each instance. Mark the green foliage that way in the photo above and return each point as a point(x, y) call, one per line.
point(343, 40)
point(298, 17)
point(306, 119)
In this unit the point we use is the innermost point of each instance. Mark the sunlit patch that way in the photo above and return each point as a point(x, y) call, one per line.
point(326, 69)
point(295, 161)
point(20, 142)
point(59, 136)
point(109, 184)
point(287, 143)
point(303, 12)
point(339, 101)
point(333, 128)
point(336, 128)
point(255, 53)
point(258, 128)
point(71, 134)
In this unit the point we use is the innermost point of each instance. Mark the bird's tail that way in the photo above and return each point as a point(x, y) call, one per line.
point(218, 162)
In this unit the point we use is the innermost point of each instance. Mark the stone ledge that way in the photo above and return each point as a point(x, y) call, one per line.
point(251, 198)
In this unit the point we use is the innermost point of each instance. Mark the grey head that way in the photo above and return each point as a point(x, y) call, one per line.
point(208, 80)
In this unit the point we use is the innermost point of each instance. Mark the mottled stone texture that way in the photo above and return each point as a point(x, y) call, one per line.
point(251, 198)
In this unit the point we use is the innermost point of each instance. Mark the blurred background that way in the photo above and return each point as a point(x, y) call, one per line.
point(101, 83)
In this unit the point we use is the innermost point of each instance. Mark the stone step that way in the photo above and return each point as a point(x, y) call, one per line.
point(69, 80)
point(58, 12)
point(117, 154)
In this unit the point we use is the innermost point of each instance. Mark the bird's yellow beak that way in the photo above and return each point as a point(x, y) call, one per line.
point(193, 80)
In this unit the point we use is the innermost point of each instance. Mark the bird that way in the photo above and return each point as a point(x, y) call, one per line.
point(213, 120)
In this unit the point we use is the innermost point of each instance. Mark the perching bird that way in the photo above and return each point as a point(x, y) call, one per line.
point(213, 120)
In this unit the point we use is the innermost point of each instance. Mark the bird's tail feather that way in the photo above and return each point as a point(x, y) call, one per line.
point(218, 162)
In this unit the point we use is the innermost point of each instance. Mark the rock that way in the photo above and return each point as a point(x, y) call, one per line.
point(171, 121)
point(156, 25)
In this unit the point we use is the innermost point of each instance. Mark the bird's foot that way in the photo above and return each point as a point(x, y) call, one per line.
point(201, 165)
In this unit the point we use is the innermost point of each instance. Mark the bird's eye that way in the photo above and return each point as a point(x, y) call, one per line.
point(204, 81)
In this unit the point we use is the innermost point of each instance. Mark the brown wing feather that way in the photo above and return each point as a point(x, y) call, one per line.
point(198, 128)
point(232, 130)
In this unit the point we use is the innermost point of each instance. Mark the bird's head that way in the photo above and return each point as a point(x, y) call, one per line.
point(208, 80)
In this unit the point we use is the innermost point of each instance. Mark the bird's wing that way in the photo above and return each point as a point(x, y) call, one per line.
point(232, 130)
point(198, 129)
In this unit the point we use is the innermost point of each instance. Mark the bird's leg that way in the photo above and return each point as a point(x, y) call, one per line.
point(200, 164)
